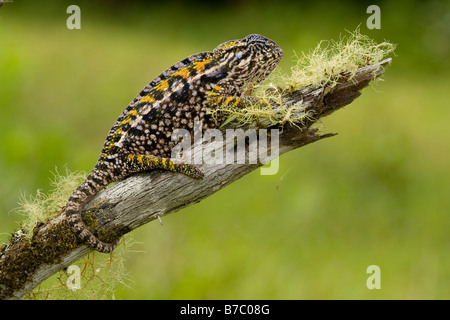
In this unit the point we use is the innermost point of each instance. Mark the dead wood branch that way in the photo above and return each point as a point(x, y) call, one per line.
point(126, 205)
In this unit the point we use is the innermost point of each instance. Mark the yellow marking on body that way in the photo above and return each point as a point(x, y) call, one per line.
point(228, 100)
point(200, 65)
point(130, 114)
point(117, 133)
point(164, 85)
point(126, 120)
point(182, 72)
point(146, 99)
point(230, 44)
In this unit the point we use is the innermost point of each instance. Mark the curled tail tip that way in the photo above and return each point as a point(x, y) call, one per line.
point(81, 231)
point(93, 183)
point(78, 227)
point(104, 247)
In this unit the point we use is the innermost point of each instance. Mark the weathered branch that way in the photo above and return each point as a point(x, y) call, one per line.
point(142, 198)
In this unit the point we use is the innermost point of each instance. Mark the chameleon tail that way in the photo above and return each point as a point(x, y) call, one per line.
point(93, 184)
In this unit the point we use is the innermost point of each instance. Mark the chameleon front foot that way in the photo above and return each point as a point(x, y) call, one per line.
point(140, 163)
point(190, 170)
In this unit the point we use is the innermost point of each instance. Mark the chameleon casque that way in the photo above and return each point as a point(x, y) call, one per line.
point(140, 139)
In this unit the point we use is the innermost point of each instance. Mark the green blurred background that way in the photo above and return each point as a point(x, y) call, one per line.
point(377, 194)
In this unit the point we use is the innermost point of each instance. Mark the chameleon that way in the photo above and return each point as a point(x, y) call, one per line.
point(140, 139)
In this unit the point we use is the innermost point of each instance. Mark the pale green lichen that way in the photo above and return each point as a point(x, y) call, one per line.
point(322, 67)
point(37, 209)
point(100, 274)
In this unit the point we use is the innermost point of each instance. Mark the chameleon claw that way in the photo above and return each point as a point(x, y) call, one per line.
point(191, 171)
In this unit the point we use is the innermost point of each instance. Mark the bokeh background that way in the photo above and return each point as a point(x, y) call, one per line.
point(377, 194)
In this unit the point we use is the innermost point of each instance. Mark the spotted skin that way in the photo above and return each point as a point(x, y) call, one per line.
point(140, 139)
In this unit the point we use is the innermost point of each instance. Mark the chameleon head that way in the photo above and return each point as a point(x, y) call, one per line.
point(250, 59)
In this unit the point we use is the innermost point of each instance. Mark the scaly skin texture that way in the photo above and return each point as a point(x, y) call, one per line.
point(140, 139)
